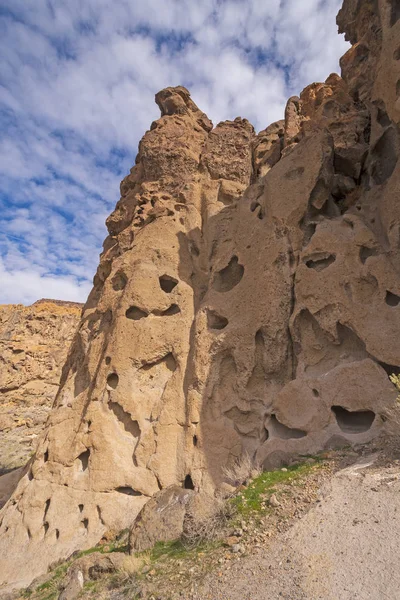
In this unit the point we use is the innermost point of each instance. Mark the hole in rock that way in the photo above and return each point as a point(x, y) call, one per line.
point(46, 508)
point(112, 381)
point(45, 527)
point(229, 277)
point(353, 422)
point(57, 534)
point(365, 253)
point(135, 313)
point(315, 392)
point(278, 429)
point(188, 483)
point(119, 282)
point(81, 507)
point(28, 531)
point(392, 299)
point(84, 460)
point(85, 523)
point(167, 283)
point(30, 475)
point(256, 206)
point(195, 440)
point(128, 491)
point(108, 360)
point(384, 156)
point(46, 456)
point(398, 88)
point(395, 13)
point(169, 361)
point(396, 54)
point(172, 310)
point(319, 264)
point(216, 321)
point(99, 514)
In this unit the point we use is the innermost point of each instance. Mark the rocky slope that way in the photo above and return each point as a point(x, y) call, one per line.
point(34, 342)
point(246, 303)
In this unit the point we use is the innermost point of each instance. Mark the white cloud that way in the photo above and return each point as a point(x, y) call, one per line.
point(25, 286)
point(78, 84)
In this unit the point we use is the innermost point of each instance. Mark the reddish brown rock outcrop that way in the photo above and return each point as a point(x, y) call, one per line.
point(246, 303)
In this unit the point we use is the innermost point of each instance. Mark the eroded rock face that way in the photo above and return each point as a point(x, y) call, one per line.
point(34, 342)
point(246, 302)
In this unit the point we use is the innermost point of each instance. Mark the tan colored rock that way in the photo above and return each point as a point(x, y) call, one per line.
point(34, 342)
point(161, 519)
point(243, 310)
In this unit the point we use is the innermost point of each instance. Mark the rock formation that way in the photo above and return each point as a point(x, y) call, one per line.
point(246, 303)
point(34, 342)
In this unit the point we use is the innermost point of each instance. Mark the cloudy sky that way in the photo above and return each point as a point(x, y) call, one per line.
point(77, 85)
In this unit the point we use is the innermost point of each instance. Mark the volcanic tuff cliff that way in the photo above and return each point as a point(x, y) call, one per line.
point(34, 342)
point(246, 302)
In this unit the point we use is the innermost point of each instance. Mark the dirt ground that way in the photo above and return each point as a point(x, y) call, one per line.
point(345, 548)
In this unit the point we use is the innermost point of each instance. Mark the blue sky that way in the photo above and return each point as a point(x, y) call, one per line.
point(77, 85)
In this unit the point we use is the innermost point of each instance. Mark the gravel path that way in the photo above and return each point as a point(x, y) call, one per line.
point(345, 548)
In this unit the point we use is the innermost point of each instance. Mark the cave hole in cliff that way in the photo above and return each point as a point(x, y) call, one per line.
point(315, 393)
point(188, 483)
point(320, 262)
point(46, 456)
point(228, 277)
point(57, 534)
point(277, 429)
point(81, 507)
point(128, 491)
point(45, 527)
point(256, 207)
point(112, 381)
point(46, 508)
point(168, 360)
point(357, 421)
point(396, 54)
point(84, 460)
point(216, 321)
point(85, 523)
point(108, 360)
point(365, 253)
point(195, 440)
point(135, 313)
point(395, 12)
point(398, 88)
point(167, 283)
point(119, 281)
point(392, 299)
point(384, 156)
point(172, 310)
